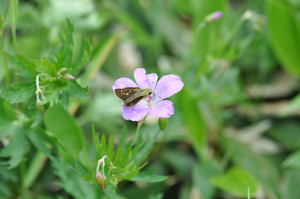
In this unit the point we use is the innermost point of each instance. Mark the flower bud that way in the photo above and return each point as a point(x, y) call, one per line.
point(100, 179)
point(1, 22)
point(68, 77)
point(162, 123)
point(213, 16)
point(63, 70)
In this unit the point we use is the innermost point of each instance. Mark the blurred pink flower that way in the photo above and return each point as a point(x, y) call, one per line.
point(214, 16)
point(218, 14)
point(154, 104)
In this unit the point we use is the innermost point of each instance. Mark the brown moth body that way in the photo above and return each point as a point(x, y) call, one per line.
point(132, 95)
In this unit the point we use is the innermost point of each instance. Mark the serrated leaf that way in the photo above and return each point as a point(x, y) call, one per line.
point(64, 56)
point(72, 182)
point(19, 92)
point(81, 53)
point(24, 66)
point(17, 148)
point(236, 181)
point(6, 112)
point(40, 141)
point(45, 66)
point(96, 140)
point(7, 176)
point(82, 171)
point(77, 91)
point(142, 149)
point(111, 193)
point(110, 151)
point(121, 148)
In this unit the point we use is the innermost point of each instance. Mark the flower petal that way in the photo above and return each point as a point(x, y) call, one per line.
point(141, 77)
point(167, 86)
point(162, 109)
point(136, 112)
point(123, 83)
point(152, 80)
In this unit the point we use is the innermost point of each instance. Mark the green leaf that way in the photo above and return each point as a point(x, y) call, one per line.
point(263, 168)
point(7, 113)
point(180, 161)
point(202, 173)
point(142, 150)
point(96, 141)
point(72, 182)
point(236, 181)
point(17, 148)
point(293, 160)
point(193, 119)
point(148, 176)
point(111, 193)
point(7, 177)
point(77, 91)
point(64, 56)
point(129, 20)
point(205, 37)
point(39, 139)
point(19, 92)
point(157, 196)
point(291, 183)
point(283, 36)
point(65, 130)
point(81, 53)
point(292, 107)
point(24, 66)
point(287, 133)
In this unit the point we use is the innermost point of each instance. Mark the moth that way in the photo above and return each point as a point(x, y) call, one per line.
point(132, 95)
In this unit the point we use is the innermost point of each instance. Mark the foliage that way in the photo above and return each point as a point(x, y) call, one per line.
point(235, 131)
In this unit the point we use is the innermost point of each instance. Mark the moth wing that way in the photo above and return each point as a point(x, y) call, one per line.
point(124, 93)
point(133, 102)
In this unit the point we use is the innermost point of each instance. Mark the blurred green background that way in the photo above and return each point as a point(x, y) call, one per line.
point(236, 129)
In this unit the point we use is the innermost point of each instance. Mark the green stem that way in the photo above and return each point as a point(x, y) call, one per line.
point(13, 9)
point(226, 159)
point(22, 171)
point(232, 35)
point(101, 56)
point(137, 134)
point(4, 62)
point(35, 167)
point(228, 40)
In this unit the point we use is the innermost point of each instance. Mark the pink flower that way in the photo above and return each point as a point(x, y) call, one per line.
point(153, 105)
point(214, 16)
point(218, 14)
